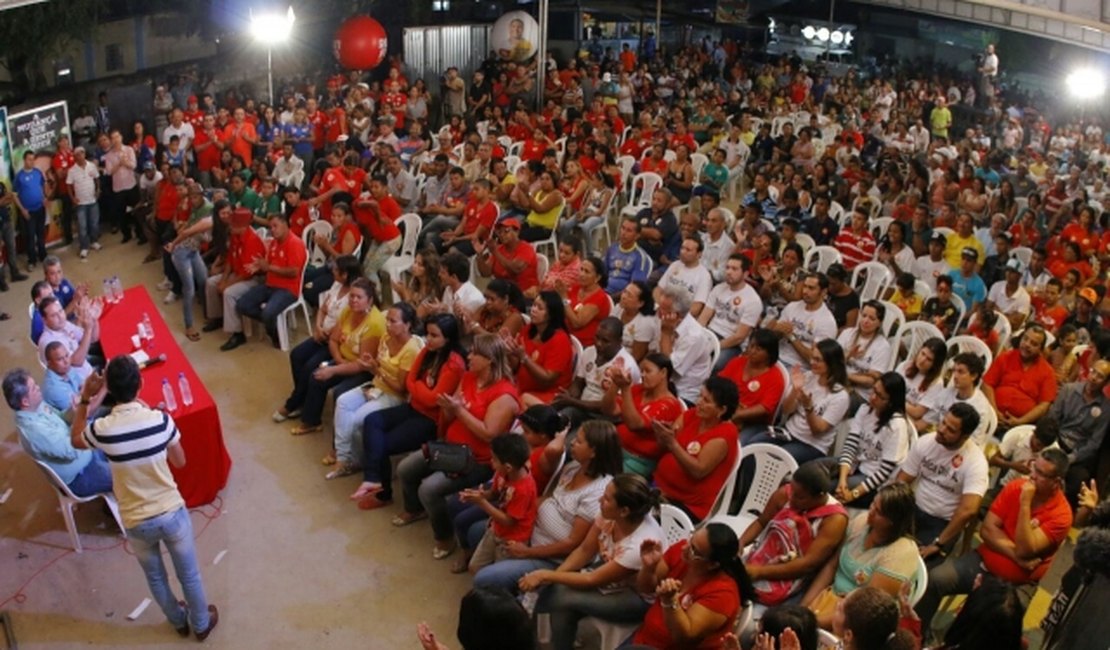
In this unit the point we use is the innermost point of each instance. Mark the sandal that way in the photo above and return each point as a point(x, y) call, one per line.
point(441, 553)
point(329, 460)
point(364, 490)
point(406, 518)
point(344, 469)
point(305, 429)
point(192, 334)
point(372, 502)
point(281, 416)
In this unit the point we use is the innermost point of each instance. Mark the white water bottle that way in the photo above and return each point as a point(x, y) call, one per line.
point(148, 328)
point(186, 391)
point(117, 288)
point(168, 396)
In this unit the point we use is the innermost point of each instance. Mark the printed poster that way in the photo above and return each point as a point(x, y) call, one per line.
point(38, 130)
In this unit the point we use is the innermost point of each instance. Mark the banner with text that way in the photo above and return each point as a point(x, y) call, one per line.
point(38, 130)
point(5, 151)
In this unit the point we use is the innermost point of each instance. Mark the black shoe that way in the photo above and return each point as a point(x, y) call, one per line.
point(274, 338)
point(235, 341)
point(212, 325)
point(126, 238)
point(4, 286)
point(213, 619)
point(19, 277)
point(183, 631)
point(141, 241)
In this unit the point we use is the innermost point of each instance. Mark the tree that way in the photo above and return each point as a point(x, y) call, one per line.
point(35, 33)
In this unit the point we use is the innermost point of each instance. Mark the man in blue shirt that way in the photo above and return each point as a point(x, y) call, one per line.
point(966, 283)
point(63, 380)
point(39, 290)
point(625, 259)
point(45, 436)
point(30, 199)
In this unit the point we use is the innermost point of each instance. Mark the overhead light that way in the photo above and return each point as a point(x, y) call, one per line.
point(1086, 83)
point(808, 31)
point(837, 37)
point(272, 27)
point(823, 34)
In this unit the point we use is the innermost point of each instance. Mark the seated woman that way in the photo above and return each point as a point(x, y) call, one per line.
point(564, 518)
point(566, 266)
point(437, 369)
point(642, 404)
point(699, 449)
point(485, 405)
point(608, 589)
point(588, 304)
point(593, 212)
point(781, 285)
point(489, 619)
point(544, 207)
point(878, 441)
point(878, 551)
point(357, 333)
point(396, 355)
point(1061, 354)
point(314, 350)
point(866, 350)
point(343, 239)
point(924, 386)
point(759, 383)
point(542, 354)
point(501, 311)
point(700, 587)
point(636, 311)
point(424, 286)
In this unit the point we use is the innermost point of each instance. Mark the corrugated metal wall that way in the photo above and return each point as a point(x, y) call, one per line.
point(429, 51)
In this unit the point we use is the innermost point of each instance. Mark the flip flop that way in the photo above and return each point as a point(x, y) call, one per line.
point(406, 518)
point(304, 430)
point(372, 502)
point(344, 469)
point(442, 553)
point(329, 460)
point(192, 335)
point(362, 492)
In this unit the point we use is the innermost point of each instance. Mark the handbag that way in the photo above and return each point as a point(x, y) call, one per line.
point(448, 457)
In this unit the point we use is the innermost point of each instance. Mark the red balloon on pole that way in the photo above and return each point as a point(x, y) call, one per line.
point(360, 43)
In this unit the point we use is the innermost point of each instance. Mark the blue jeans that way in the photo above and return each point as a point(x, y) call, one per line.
point(568, 605)
point(427, 491)
point(96, 478)
point(175, 530)
point(390, 431)
point(507, 573)
point(193, 274)
point(88, 224)
point(275, 301)
point(351, 410)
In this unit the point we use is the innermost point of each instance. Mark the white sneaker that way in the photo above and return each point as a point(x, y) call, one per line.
point(170, 298)
point(164, 285)
point(96, 246)
point(84, 253)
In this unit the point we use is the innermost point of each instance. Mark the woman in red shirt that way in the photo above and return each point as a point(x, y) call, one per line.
point(699, 449)
point(484, 406)
point(587, 303)
point(651, 400)
point(699, 586)
point(542, 354)
point(535, 146)
point(1081, 232)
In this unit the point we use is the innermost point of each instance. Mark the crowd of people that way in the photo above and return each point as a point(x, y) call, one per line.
point(634, 334)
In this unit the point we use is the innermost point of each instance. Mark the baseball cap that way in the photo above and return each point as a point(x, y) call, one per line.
point(1089, 294)
point(970, 252)
point(148, 165)
point(241, 217)
point(511, 222)
point(939, 238)
point(1015, 265)
point(1005, 235)
point(192, 99)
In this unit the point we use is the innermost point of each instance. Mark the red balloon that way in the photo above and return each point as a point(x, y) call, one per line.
point(360, 43)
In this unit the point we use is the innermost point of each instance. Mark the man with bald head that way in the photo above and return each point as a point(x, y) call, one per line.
point(1083, 411)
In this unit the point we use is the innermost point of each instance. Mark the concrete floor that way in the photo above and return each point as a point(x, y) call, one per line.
point(304, 567)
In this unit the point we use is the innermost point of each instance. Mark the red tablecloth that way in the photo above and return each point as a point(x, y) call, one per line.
point(207, 463)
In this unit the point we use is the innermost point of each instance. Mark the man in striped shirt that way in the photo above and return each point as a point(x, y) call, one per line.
point(138, 441)
point(856, 244)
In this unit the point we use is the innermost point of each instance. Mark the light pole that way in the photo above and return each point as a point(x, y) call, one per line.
point(272, 29)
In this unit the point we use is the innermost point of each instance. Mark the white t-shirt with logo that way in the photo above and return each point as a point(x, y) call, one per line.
point(594, 374)
point(733, 308)
point(945, 475)
point(864, 357)
point(809, 326)
point(830, 406)
point(696, 280)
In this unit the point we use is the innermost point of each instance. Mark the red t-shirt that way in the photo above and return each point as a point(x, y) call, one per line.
point(380, 232)
point(477, 402)
point(518, 500)
point(719, 594)
point(475, 216)
point(527, 278)
point(764, 389)
point(642, 442)
point(1052, 517)
point(169, 201)
point(244, 249)
point(1050, 317)
point(319, 121)
point(1018, 389)
point(556, 353)
point(587, 332)
point(285, 254)
point(424, 390)
point(336, 178)
point(650, 164)
point(208, 158)
point(341, 233)
point(196, 118)
point(532, 150)
point(677, 485)
point(299, 219)
point(238, 143)
point(337, 124)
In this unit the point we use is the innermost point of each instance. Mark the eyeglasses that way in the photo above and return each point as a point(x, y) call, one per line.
point(695, 554)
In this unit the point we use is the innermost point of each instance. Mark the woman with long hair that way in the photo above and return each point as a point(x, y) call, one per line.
point(424, 285)
point(484, 406)
point(923, 381)
point(878, 441)
point(700, 586)
point(679, 178)
point(437, 370)
point(542, 354)
point(816, 402)
point(1061, 354)
point(588, 304)
point(866, 349)
point(636, 310)
point(641, 404)
point(624, 524)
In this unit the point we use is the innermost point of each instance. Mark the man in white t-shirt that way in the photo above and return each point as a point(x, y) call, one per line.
point(952, 476)
point(1009, 297)
point(967, 371)
point(930, 267)
point(586, 398)
point(718, 245)
point(688, 274)
point(733, 309)
point(458, 292)
point(179, 127)
point(684, 341)
point(84, 181)
point(1021, 445)
point(803, 323)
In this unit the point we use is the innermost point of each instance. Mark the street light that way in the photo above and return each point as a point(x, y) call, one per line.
point(272, 29)
point(1086, 83)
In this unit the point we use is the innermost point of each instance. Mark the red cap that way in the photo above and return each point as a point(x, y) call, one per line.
point(511, 222)
point(192, 99)
point(241, 217)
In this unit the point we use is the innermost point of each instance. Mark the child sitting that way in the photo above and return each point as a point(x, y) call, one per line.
point(905, 298)
point(510, 502)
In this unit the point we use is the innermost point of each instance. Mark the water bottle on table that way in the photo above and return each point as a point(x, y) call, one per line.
point(168, 396)
point(148, 328)
point(186, 391)
point(117, 288)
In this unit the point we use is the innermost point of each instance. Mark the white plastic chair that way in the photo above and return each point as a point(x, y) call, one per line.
point(805, 241)
point(552, 240)
point(714, 346)
point(626, 163)
point(827, 640)
point(772, 465)
point(1023, 253)
point(316, 255)
point(543, 265)
point(918, 332)
point(675, 523)
point(820, 258)
point(773, 192)
point(837, 212)
point(698, 161)
point(405, 257)
point(288, 316)
point(877, 278)
point(960, 307)
point(923, 289)
point(640, 197)
point(947, 232)
point(971, 344)
point(879, 226)
point(920, 581)
point(67, 500)
point(736, 178)
point(892, 319)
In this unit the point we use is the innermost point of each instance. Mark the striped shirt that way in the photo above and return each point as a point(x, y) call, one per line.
point(135, 437)
point(855, 249)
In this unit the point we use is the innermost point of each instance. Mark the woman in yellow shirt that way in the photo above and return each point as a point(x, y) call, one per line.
point(390, 366)
point(357, 332)
point(544, 205)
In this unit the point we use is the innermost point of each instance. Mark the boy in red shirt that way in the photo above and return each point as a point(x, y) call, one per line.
point(511, 502)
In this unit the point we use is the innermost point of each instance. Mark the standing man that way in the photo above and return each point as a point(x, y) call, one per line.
point(120, 164)
point(988, 70)
point(30, 199)
point(7, 229)
point(61, 163)
point(138, 441)
point(83, 180)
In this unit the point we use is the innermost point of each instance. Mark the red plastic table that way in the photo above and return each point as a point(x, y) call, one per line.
point(207, 461)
